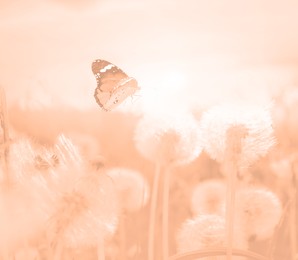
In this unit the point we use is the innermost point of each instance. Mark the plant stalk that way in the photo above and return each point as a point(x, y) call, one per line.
point(165, 214)
point(152, 213)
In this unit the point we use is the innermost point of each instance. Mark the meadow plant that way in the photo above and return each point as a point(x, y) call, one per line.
point(258, 212)
point(167, 140)
point(206, 231)
point(281, 168)
point(64, 198)
point(236, 136)
point(255, 119)
point(86, 216)
point(26, 200)
point(131, 186)
point(208, 197)
point(86, 204)
point(285, 118)
point(5, 135)
point(133, 194)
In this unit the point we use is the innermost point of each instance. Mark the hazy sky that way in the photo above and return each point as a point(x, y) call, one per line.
point(47, 47)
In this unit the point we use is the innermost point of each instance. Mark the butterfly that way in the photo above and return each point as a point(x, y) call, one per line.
point(113, 85)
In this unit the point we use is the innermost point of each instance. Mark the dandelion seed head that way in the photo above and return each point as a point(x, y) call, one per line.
point(168, 139)
point(70, 165)
point(258, 211)
point(25, 173)
point(67, 151)
point(88, 214)
point(285, 115)
point(252, 122)
point(208, 197)
point(205, 231)
point(133, 189)
point(282, 169)
point(22, 155)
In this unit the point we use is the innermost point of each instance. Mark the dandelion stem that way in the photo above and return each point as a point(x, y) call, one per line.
point(153, 206)
point(232, 179)
point(235, 134)
point(165, 214)
point(58, 253)
point(293, 214)
point(101, 250)
point(122, 231)
point(277, 232)
point(4, 126)
point(293, 236)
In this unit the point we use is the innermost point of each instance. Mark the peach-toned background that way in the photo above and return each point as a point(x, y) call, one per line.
point(184, 54)
point(197, 48)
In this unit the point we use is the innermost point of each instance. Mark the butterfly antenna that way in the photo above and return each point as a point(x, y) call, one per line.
point(135, 98)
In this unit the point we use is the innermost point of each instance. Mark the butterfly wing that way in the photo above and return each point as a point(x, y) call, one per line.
point(125, 88)
point(107, 75)
point(113, 85)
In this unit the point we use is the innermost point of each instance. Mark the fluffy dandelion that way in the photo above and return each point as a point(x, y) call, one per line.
point(96, 202)
point(258, 212)
point(133, 189)
point(27, 159)
point(285, 116)
point(208, 197)
point(27, 201)
point(69, 166)
point(256, 120)
point(87, 215)
point(236, 135)
point(86, 203)
point(67, 151)
point(282, 170)
point(167, 140)
point(205, 231)
point(133, 192)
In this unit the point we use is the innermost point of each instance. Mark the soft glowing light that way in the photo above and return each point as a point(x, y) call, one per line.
point(163, 91)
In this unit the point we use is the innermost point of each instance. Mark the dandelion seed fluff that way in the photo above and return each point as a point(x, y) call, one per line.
point(88, 214)
point(68, 153)
point(208, 197)
point(168, 139)
point(22, 156)
point(206, 231)
point(70, 166)
point(86, 202)
point(258, 211)
point(282, 169)
point(218, 120)
point(285, 115)
point(133, 189)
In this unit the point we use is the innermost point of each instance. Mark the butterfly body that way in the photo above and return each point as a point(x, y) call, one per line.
point(113, 85)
